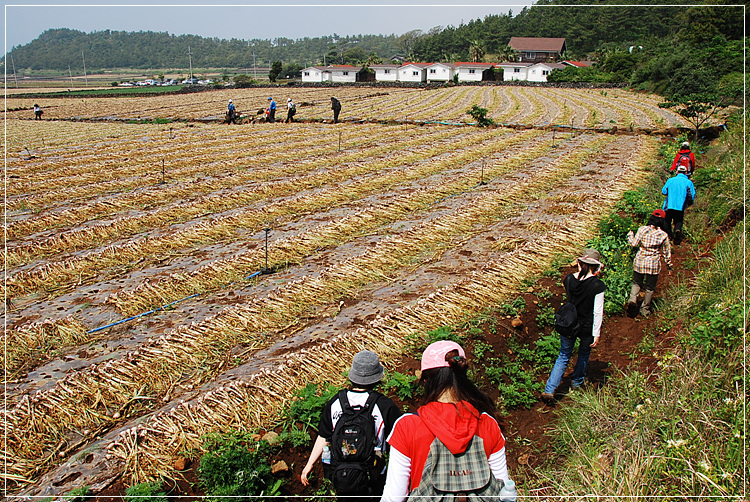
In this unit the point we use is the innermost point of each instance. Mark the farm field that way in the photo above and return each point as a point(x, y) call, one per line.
point(247, 262)
point(582, 108)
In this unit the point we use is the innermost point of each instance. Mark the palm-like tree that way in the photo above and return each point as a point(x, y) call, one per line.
point(476, 51)
point(508, 54)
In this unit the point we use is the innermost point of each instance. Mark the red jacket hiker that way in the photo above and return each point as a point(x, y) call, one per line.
point(686, 158)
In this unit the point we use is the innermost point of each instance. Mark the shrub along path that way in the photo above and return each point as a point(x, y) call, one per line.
point(626, 344)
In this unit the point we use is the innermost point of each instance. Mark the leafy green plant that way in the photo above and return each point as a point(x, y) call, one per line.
point(481, 348)
point(417, 342)
point(296, 437)
point(77, 493)
point(543, 293)
point(480, 115)
point(234, 464)
point(617, 226)
point(718, 329)
point(405, 386)
point(146, 492)
point(308, 402)
point(545, 315)
point(547, 348)
point(514, 307)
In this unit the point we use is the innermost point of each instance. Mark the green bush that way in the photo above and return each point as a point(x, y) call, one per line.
point(417, 342)
point(308, 402)
point(145, 492)
point(405, 386)
point(234, 464)
point(480, 115)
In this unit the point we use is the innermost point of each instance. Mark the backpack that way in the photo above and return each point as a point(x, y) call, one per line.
point(293, 109)
point(466, 476)
point(353, 442)
point(684, 160)
point(566, 320)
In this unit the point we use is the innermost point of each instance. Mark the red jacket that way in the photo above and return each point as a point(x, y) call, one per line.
point(691, 156)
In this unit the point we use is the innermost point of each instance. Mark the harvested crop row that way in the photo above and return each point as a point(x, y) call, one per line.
point(147, 449)
point(310, 163)
point(185, 350)
point(220, 273)
point(185, 158)
point(58, 276)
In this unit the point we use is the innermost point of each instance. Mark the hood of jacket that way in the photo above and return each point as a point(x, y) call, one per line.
point(577, 286)
point(453, 424)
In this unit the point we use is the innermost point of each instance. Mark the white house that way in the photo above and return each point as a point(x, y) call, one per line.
point(344, 72)
point(385, 72)
point(316, 74)
point(540, 71)
point(514, 71)
point(440, 72)
point(413, 72)
point(474, 72)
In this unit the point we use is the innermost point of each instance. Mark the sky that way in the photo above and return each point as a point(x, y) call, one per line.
point(26, 20)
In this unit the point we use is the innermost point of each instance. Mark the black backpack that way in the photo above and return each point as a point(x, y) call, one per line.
point(566, 320)
point(353, 442)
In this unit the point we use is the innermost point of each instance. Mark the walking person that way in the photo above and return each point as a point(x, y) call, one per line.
point(231, 113)
point(37, 112)
point(291, 109)
point(586, 291)
point(680, 193)
point(344, 439)
point(686, 158)
point(336, 107)
point(653, 244)
point(457, 421)
point(271, 110)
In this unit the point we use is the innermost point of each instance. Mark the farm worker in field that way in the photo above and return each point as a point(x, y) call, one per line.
point(455, 413)
point(652, 243)
point(368, 474)
point(271, 110)
point(231, 113)
point(336, 107)
point(37, 112)
point(680, 193)
point(586, 291)
point(291, 109)
point(684, 158)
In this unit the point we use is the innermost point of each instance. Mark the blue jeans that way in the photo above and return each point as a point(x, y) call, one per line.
point(579, 372)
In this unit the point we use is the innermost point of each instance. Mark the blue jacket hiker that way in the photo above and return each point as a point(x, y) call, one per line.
point(231, 113)
point(271, 110)
point(676, 190)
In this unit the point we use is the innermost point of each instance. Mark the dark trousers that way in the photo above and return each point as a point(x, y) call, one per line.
point(676, 217)
point(336, 115)
point(289, 116)
point(272, 115)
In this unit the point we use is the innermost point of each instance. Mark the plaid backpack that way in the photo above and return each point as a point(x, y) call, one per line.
point(466, 476)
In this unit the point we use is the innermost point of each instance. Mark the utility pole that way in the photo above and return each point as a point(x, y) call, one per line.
point(84, 69)
point(71, 76)
point(14, 70)
point(255, 73)
point(190, 57)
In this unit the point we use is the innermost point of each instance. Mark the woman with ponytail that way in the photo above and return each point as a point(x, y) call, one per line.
point(455, 412)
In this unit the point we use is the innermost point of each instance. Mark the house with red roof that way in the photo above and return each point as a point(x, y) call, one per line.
point(579, 64)
point(538, 49)
point(413, 72)
point(331, 73)
point(475, 72)
point(441, 72)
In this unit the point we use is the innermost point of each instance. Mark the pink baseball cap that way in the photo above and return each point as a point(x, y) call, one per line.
point(434, 355)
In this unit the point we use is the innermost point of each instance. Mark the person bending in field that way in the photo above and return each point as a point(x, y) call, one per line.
point(37, 112)
point(336, 107)
point(352, 431)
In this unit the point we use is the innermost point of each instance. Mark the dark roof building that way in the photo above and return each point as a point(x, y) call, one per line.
point(536, 49)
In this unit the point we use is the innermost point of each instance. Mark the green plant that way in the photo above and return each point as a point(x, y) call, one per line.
point(308, 402)
point(543, 293)
point(234, 464)
point(77, 493)
point(405, 386)
point(481, 348)
point(514, 307)
point(324, 489)
point(417, 342)
point(296, 437)
point(480, 115)
point(547, 348)
point(145, 492)
point(545, 315)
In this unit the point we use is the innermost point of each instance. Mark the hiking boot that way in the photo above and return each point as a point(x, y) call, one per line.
point(645, 311)
point(548, 398)
point(631, 309)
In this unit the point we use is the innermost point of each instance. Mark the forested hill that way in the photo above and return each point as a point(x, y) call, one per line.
point(593, 31)
point(58, 48)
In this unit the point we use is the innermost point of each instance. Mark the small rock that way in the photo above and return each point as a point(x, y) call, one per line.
point(516, 322)
point(271, 437)
point(181, 464)
point(530, 290)
point(418, 374)
point(279, 466)
point(255, 437)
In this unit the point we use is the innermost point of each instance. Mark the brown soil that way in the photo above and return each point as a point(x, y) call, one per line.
point(525, 429)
